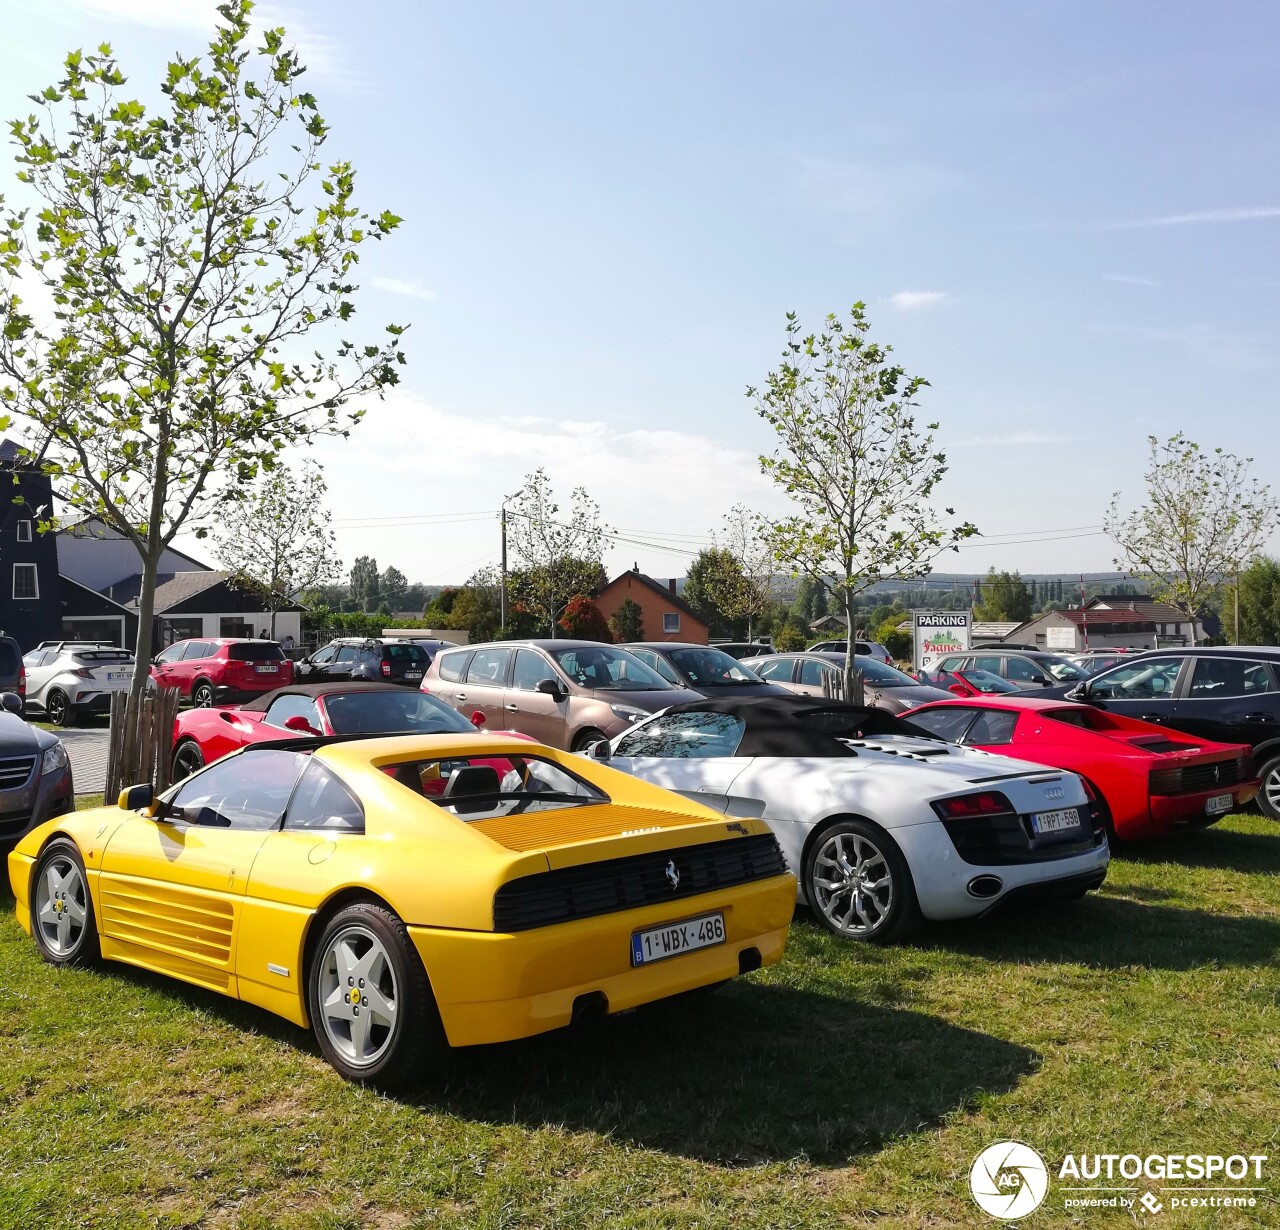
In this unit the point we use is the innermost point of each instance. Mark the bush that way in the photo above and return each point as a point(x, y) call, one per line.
point(788, 640)
point(584, 620)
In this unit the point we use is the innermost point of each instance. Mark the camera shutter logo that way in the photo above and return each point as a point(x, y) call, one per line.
point(1009, 1180)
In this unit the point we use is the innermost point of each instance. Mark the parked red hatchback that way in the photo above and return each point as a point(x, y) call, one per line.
point(223, 671)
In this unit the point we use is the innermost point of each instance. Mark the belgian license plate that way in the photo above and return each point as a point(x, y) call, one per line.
point(413, 674)
point(119, 676)
point(268, 668)
point(659, 943)
point(1219, 804)
point(1056, 821)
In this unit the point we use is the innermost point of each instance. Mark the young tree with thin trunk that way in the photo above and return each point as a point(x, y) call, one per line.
point(190, 256)
point(276, 541)
point(746, 596)
point(1205, 517)
point(560, 555)
point(853, 461)
point(365, 583)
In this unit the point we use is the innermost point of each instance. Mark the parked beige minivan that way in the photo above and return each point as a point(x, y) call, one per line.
point(567, 694)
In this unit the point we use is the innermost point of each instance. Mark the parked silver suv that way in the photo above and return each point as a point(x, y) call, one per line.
point(69, 679)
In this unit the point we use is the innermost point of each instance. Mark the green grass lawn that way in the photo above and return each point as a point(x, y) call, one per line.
point(845, 1087)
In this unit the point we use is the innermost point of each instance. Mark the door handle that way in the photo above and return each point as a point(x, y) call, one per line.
point(513, 708)
point(1259, 717)
point(1151, 717)
point(462, 696)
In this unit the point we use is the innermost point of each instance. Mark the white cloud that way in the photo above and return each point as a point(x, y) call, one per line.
point(409, 288)
point(321, 52)
point(1127, 279)
point(910, 300)
point(1203, 217)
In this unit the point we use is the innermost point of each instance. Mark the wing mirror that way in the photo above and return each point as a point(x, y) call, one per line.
point(135, 798)
point(550, 687)
point(12, 703)
point(300, 724)
point(478, 719)
point(1079, 692)
point(601, 750)
point(959, 689)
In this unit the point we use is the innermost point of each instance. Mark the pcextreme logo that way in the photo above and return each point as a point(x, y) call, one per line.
point(1009, 1180)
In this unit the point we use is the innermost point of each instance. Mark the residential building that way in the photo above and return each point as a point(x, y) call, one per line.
point(30, 594)
point(667, 616)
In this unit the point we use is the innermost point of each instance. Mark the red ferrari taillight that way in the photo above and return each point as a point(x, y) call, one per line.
point(970, 806)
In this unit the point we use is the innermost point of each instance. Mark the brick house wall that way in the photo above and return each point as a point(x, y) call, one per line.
point(667, 617)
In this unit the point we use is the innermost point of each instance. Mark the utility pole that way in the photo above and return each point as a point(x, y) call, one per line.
point(502, 601)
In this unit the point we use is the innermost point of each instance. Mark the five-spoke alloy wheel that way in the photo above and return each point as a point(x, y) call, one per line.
point(202, 696)
point(369, 998)
point(61, 908)
point(858, 883)
point(187, 759)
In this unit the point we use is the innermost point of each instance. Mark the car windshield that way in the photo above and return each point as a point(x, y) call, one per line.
point(599, 666)
point(1060, 668)
point(878, 674)
point(367, 713)
point(711, 668)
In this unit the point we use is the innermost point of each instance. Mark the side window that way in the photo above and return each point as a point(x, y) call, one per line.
point(992, 726)
point(1024, 669)
point(489, 667)
point(812, 672)
point(685, 736)
point(1215, 677)
point(947, 723)
point(346, 653)
point(293, 706)
point(1149, 679)
point(950, 665)
point(321, 801)
point(249, 791)
point(452, 665)
point(324, 656)
point(172, 654)
point(38, 657)
point(989, 663)
point(659, 664)
point(197, 649)
point(530, 670)
point(777, 670)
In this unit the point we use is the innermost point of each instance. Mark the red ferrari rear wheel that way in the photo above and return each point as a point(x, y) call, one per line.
point(187, 759)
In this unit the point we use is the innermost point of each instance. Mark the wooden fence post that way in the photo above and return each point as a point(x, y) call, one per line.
point(138, 742)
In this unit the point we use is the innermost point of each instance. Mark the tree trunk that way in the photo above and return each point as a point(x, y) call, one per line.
point(852, 676)
point(273, 625)
point(143, 649)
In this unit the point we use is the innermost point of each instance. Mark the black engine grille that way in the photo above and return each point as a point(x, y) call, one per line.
point(1194, 778)
point(1005, 840)
point(14, 771)
point(640, 879)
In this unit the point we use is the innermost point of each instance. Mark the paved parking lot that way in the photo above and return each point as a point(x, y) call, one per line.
point(87, 748)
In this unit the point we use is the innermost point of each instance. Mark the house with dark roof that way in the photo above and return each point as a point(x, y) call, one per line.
point(30, 592)
point(667, 616)
point(1072, 629)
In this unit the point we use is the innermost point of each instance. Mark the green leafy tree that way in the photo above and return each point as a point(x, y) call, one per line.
point(1005, 596)
point(559, 554)
point(789, 640)
point(275, 539)
point(1204, 516)
point(364, 583)
point(1258, 595)
point(477, 606)
point(745, 593)
point(191, 254)
point(627, 622)
point(437, 612)
point(712, 578)
point(392, 588)
point(584, 621)
point(859, 470)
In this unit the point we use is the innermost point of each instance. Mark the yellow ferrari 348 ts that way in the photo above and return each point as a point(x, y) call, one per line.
point(402, 893)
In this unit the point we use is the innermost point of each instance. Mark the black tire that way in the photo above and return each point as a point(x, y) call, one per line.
point(415, 1041)
point(61, 857)
point(57, 707)
point(870, 918)
point(203, 695)
point(1269, 775)
point(187, 759)
point(585, 738)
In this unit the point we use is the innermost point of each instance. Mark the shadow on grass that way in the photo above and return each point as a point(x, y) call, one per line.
point(1111, 933)
point(1252, 853)
point(750, 1074)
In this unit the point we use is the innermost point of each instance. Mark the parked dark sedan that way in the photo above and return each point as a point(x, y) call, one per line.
point(702, 668)
point(35, 775)
point(1230, 694)
point(376, 658)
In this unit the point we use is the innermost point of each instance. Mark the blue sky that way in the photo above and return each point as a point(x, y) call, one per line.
point(1063, 215)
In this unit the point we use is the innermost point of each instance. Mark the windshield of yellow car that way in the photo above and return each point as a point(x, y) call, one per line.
point(481, 787)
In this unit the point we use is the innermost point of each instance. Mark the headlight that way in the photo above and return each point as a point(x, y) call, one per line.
point(628, 713)
point(55, 758)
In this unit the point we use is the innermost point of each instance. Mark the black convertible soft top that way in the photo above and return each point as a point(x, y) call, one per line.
point(802, 725)
point(263, 702)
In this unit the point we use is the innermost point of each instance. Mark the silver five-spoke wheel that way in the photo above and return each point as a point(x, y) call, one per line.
point(358, 996)
point(853, 883)
point(62, 905)
point(1269, 793)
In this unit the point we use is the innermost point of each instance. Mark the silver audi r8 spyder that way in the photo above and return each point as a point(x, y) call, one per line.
point(883, 824)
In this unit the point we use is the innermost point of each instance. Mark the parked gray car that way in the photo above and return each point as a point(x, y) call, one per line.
point(35, 774)
point(702, 668)
point(818, 674)
point(67, 680)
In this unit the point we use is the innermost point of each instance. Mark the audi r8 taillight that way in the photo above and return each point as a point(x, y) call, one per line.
point(972, 806)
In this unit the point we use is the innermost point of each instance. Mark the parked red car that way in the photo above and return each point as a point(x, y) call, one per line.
point(1149, 780)
point(222, 671)
point(202, 735)
point(970, 683)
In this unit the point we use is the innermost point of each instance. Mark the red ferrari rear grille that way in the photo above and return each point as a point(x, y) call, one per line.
point(1199, 776)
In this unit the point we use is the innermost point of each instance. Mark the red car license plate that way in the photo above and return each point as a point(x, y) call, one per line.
point(268, 669)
